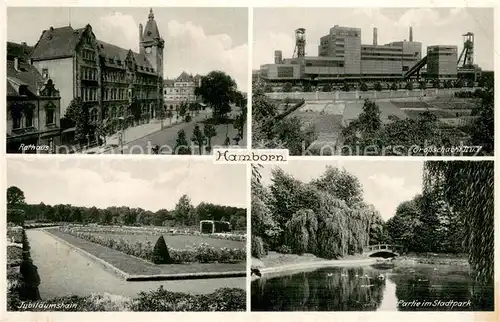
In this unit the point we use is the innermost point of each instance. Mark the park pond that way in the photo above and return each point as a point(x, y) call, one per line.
point(416, 288)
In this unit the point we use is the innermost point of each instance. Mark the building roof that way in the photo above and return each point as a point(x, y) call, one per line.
point(21, 51)
point(62, 42)
point(26, 75)
point(168, 82)
point(184, 77)
point(57, 43)
point(151, 31)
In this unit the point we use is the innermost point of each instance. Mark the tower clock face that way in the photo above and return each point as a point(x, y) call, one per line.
point(148, 50)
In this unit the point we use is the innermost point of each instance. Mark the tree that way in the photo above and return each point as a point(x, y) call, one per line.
point(287, 88)
point(217, 90)
point(377, 86)
point(184, 211)
point(239, 122)
point(182, 110)
point(483, 130)
point(307, 87)
point(469, 188)
point(340, 184)
point(409, 86)
point(422, 85)
point(78, 113)
point(327, 87)
point(15, 197)
point(160, 252)
point(346, 87)
point(169, 115)
point(198, 138)
point(394, 87)
point(181, 144)
point(363, 87)
point(209, 132)
point(368, 121)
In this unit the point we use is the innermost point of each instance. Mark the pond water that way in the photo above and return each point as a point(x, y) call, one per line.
point(419, 288)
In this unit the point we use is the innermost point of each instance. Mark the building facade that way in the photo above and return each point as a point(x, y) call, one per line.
point(180, 90)
point(442, 62)
point(119, 87)
point(341, 56)
point(33, 110)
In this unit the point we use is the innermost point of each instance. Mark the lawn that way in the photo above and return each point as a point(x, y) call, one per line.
point(136, 266)
point(176, 241)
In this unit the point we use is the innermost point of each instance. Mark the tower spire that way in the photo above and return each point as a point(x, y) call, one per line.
point(151, 14)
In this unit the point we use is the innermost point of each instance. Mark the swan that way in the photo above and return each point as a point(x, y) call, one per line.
point(329, 274)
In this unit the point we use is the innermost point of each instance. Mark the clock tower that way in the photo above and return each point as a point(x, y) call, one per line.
point(151, 44)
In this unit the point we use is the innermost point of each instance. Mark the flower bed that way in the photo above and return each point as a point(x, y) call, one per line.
point(202, 253)
point(152, 231)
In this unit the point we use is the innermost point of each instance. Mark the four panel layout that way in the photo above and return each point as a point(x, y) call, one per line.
point(184, 233)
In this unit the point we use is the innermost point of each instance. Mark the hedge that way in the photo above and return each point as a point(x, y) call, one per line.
point(160, 300)
point(22, 275)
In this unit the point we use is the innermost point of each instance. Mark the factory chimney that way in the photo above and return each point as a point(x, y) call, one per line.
point(411, 33)
point(374, 36)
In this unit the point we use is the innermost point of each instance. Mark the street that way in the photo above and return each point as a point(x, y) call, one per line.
point(167, 138)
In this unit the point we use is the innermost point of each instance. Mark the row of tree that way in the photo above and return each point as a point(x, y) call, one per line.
point(184, 213)
point(379, 86)
point(326, 217)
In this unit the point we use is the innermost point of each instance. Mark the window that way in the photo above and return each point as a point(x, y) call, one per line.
point(28, 114)
point(49, 114)
point(94, 115)
point(45, 73)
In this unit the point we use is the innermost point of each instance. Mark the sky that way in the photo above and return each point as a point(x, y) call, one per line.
point(197, 40)
point(150, 184)
point(274, 28)
point(385, 184)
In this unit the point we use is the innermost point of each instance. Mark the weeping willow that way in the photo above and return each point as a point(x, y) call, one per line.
point(468, 186)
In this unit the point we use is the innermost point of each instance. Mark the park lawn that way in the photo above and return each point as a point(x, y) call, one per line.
point(175, 241)
point(136, 266)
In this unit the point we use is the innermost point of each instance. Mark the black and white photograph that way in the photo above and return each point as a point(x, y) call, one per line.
point(125, 235)
point(105, 80)
point(373, 236)
point(373, 81)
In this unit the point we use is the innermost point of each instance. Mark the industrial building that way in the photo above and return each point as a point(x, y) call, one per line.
point(342, 57)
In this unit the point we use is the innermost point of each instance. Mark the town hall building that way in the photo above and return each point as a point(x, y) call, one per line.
point(120, 88)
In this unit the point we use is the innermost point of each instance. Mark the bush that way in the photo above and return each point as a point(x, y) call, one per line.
point(257, 247)
point(284, 249)
point(224, 299)
point(160, 252)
